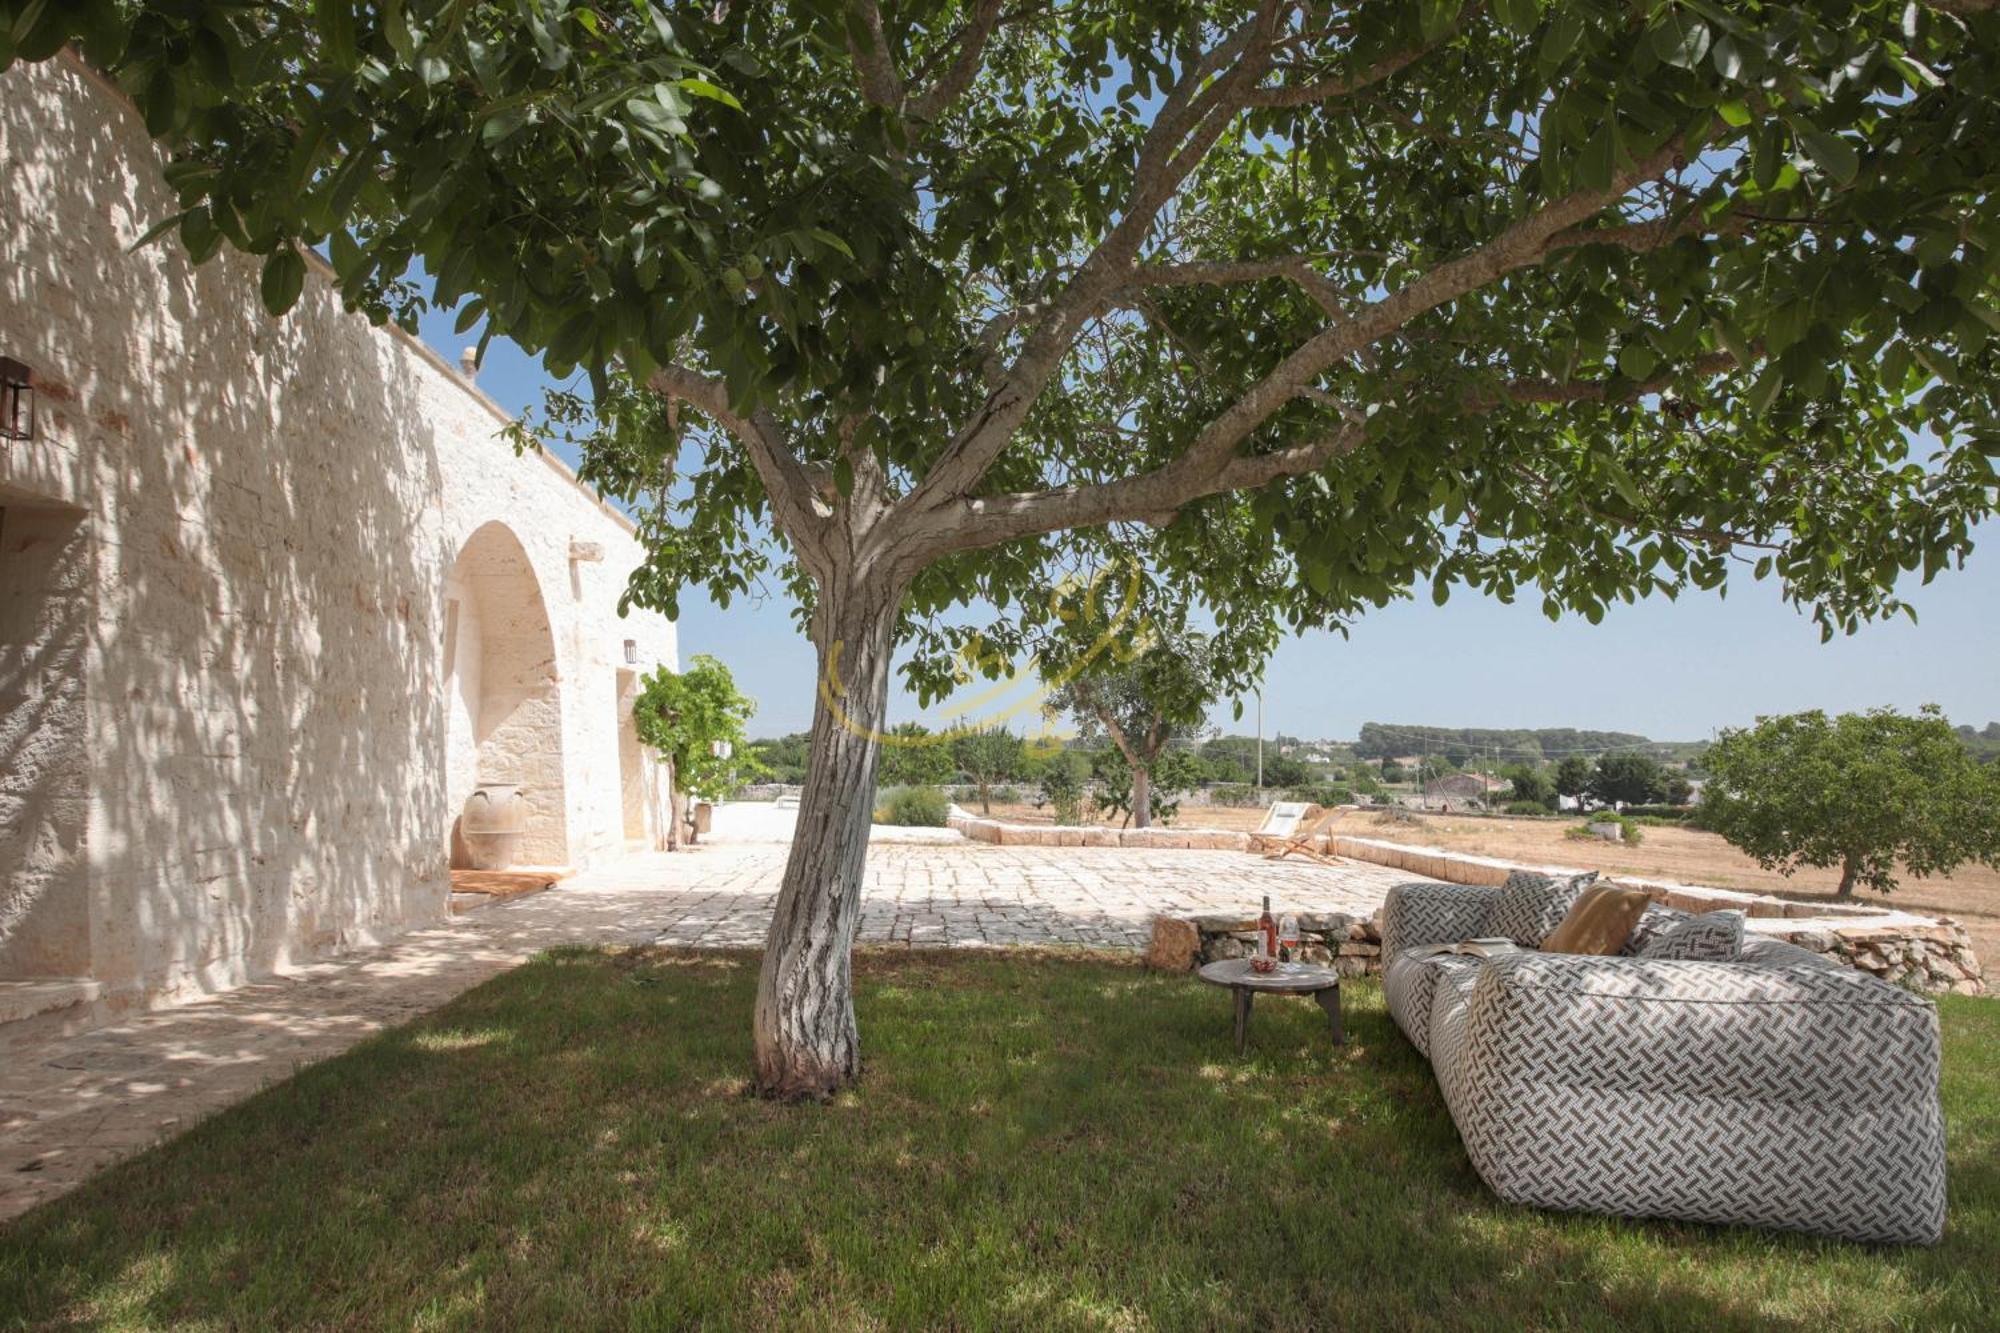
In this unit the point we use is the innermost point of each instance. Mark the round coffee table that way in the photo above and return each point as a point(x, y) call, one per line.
point(1322, 983)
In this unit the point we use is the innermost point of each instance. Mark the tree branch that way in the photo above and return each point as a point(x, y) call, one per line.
point(869, 49)
point(1191, 119)
point(785, 480)
point(931, 103)
point(1343, 85)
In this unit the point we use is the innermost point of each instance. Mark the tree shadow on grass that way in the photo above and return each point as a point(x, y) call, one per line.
point(1038, 1141)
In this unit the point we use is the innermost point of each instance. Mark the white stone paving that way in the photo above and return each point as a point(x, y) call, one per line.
point(72, 1105)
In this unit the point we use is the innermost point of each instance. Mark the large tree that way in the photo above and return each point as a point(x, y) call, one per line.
point(1867, 792)
point(1595, 298)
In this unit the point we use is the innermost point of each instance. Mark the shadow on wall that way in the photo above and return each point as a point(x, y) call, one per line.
point(264, 691)
point(44, 807)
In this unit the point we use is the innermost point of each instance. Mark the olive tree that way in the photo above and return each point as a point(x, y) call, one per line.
point(1583, 300)
point(1862, 791)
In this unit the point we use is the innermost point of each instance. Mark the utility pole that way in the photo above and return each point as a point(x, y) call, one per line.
point(1260, 738)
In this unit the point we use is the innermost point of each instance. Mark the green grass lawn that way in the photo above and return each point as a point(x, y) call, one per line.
point(1040, 1141)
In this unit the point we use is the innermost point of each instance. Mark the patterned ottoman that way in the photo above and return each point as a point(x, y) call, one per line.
point(1778, 1090)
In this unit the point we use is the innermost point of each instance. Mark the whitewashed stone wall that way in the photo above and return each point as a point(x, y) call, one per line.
point(229, 556)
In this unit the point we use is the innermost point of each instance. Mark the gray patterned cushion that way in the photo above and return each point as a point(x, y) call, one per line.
point(1712, 937)
point(1795, 1094)
point(1410, 981)
point(1530, 906)
point(1427, 912)
point(1651, 922)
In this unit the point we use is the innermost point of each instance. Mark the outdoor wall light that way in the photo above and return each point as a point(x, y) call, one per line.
point(17, 401)
point(631, 652)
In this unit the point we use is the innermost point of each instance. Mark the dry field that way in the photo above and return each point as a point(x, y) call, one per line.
point(1972, 896)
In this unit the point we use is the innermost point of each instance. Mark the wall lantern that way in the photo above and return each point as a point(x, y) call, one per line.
point(17, 401)
point(631, 652)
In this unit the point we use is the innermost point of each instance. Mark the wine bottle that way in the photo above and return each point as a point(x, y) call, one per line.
point(1267, 933)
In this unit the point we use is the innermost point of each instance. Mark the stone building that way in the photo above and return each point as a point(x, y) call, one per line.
point(274, 596)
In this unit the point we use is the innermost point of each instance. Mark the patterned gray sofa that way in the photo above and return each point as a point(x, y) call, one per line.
point(1777, 1090)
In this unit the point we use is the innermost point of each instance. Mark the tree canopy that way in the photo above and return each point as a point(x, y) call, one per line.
point(694, 719)
point(1581, 300)
point(1862, 791)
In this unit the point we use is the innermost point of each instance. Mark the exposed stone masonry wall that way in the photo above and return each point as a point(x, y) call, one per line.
point(267, 512)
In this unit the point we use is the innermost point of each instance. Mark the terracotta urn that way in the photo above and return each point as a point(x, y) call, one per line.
point(492, 824)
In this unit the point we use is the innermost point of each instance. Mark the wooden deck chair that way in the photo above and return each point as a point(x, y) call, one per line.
point(1305, 833)
point(1281, 821)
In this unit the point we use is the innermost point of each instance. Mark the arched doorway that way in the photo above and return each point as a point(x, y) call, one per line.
point(502, 704)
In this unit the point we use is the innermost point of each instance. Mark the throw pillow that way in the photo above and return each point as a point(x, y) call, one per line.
point(1599, 922)
point(1530, 905)
point(1651, 922)
point(1712, 937)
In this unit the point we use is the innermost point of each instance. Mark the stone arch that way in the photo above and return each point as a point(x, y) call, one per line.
point(503, 704)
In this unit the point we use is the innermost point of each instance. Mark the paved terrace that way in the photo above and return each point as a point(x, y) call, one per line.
point(72, 1105)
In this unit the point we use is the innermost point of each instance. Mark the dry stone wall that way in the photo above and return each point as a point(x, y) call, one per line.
point(1929, 953)
point(267, 513)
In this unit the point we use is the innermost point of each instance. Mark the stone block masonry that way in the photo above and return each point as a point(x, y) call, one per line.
point(275, 595)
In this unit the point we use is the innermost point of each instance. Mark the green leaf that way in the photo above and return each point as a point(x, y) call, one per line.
point(1518, 16)
point(283, 279)
point(1636, 361)
point(1435, 17)
point(843, 478)
point(1598, 162)
point(1564, 30)
point(1681, 40)
point(703, 88)
point(1830, 153)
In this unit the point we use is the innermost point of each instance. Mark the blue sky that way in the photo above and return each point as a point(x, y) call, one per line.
point(1670, 670)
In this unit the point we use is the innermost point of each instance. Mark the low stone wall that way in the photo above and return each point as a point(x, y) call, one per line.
point(1928, 953)
point(1352, 945)
point(1059, 835)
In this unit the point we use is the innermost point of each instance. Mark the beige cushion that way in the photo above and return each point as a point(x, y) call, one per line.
point(1599, 922)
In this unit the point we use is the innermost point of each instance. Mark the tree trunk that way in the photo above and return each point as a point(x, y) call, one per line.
point(1142, 798)
point(806, 1042)
point(1850, 874)
point(676, 807)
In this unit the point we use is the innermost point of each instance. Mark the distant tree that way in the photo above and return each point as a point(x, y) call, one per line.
point(914, 756)
point(784, 757)
point(989, 756)
point(1230, 759)
point(1531, 783)
point(1393, 771)
point(1862, 791)
point(1065, 777)
point(1627, 777)
point(1572, 777)
point(1675, 789)
point(1992, 732)
point(1283, 771)
point(1144, 703)
point(694, 720)
point(1174, 773)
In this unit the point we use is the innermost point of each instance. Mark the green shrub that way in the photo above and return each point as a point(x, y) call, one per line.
point(1007, 795)
point(1233, 793)
point(1666, 814)
point(1628, 829)
point(1525, 808)
point(1321, 793)
point(913, 807)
